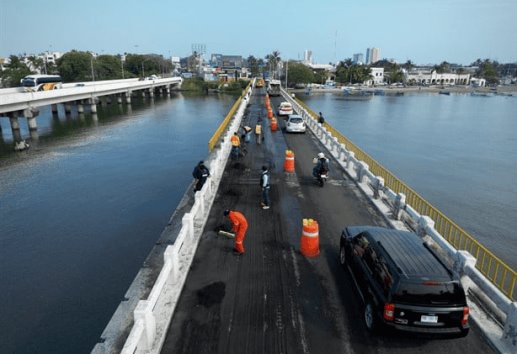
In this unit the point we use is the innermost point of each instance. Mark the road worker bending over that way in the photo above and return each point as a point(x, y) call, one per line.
point(239, 226)
point(236, 145)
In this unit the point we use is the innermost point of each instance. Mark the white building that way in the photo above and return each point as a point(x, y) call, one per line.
point(377, 75)
point(431, 77)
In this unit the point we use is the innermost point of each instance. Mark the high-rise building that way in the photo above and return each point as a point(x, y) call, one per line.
point(307, 56)
point(358, 58)
point(372, 55)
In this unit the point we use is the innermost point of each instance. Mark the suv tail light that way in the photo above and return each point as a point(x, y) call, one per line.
point(389, 312)
point(465, 318)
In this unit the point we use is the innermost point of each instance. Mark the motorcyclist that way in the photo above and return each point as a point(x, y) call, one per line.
point(322, 165)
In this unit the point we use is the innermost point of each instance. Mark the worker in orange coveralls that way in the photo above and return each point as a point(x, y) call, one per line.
point(239, 226)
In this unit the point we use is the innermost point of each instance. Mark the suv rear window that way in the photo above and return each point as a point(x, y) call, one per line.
point(433, 293)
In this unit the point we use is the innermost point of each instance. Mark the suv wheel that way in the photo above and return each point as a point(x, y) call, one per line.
point(370, 318)
point(342, 255)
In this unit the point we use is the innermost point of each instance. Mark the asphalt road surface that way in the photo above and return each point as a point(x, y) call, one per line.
point(272, 299)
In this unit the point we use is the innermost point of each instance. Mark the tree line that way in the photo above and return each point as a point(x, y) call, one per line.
point(77, 66)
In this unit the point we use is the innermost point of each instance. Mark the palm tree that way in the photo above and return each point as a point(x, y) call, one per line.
point(273, 59)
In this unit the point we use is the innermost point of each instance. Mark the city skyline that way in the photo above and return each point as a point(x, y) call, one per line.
point(424, 32)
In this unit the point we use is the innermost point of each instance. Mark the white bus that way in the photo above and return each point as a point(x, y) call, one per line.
point(274, 88)
point(40, 82)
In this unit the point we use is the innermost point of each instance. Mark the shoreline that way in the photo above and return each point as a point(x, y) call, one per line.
point(416, 89)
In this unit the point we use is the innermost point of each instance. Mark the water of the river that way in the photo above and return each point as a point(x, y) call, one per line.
point(459, 152)
point(80, 211)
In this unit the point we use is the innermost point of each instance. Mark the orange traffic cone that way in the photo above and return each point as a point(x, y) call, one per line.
point(289, 161)
point(274, 124)
point(310, 242)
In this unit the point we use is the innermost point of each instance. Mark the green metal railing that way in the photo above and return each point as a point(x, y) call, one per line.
point(493, 268)
point(224, 124)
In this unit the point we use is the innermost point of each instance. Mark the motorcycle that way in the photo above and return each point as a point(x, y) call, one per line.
point(322, 178)
point(320, 171)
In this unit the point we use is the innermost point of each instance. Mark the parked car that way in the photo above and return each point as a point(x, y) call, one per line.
point(285, 109)
point(403, 283)
point(295, 124)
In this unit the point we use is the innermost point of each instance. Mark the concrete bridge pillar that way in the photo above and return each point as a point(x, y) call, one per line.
point(31, 115)
point(68, 108)
point(80, 107)
point(15, 126)
point(119, 99)
point(128, 97)
point(93, 105)
point(54, 109)
point(168, 90)
point(143, 93)
point(151, 92)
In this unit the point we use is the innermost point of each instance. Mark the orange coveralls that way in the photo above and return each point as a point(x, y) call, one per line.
point(240, 226)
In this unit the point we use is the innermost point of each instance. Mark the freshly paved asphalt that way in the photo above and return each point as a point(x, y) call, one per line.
point(272, 299)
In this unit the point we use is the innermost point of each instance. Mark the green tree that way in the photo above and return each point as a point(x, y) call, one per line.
point(14, 72)
point(443, 68)
point(488, 70)
point(37, 64)
point(299, 74)
point(253, 65)
point(272, 60)
point(348, 73)
point(320, 76)
point(76, 66)
point(108, 67)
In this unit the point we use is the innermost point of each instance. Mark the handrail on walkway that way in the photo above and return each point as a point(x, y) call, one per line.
point(222, 127)
point(493, 268)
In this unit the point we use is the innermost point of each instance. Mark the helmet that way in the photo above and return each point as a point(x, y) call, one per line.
point(321, 155)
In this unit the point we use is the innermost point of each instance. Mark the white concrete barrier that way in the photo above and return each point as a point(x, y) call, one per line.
point(152, 316)
point(394, 207)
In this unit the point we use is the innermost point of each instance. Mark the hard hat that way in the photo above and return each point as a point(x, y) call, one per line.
point(321, 155)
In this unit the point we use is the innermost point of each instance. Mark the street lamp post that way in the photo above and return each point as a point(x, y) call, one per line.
point(91, 65)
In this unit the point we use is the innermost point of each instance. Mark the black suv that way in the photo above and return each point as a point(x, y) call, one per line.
point(402, 282)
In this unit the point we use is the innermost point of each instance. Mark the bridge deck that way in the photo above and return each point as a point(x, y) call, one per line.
point(272, 299)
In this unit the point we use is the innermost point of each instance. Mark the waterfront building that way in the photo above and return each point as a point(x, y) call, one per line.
point(431, 77)
point(377, 76)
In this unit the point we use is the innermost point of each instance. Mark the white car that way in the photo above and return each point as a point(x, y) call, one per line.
point(295, 124)
point(285, 109)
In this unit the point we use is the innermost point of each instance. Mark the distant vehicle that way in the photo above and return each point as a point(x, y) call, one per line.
point(403, 283)
point(274, 88)
point(260, 83)
point(295, 124)
point(285, 109)
point(152, 77)
point(40, 82)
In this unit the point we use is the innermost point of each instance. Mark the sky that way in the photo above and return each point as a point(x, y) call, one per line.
point(423, 31)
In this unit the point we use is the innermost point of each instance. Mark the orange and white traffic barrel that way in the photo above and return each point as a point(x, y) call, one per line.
point(310, 242)
point(289, 161)
point(270, 113)
point(274, 124)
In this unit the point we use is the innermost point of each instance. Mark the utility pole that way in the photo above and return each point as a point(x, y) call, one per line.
point(286, 72)
point(91, 65)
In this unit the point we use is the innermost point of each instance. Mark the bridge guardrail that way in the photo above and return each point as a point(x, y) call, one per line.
point(503, 277)
point(152, 316)
point(222, 127)
point(495, 279)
